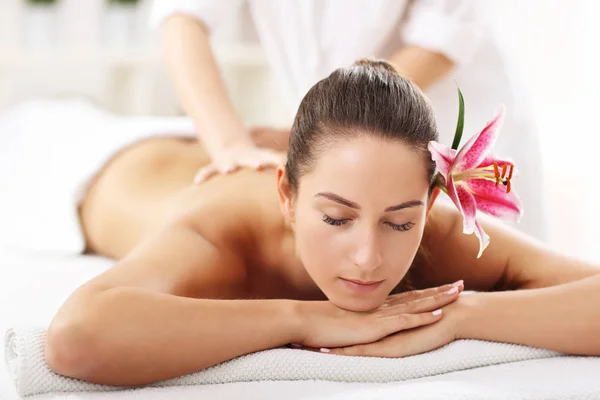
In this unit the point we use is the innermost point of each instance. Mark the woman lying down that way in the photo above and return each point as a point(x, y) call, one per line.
point(324, 253)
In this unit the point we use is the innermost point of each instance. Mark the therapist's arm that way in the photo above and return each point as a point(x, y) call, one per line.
point(439, 35)
point(423, 67)
point(199, 85)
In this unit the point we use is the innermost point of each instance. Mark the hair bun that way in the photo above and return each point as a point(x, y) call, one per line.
point(378, 64)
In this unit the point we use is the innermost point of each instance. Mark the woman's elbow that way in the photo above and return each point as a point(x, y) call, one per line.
point(74, 340)
point(71, 349)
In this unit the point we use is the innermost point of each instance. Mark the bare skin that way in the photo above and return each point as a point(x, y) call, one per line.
point(205, 270)
point(148, 186)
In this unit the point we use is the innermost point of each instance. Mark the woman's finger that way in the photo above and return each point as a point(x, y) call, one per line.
point(360, 350)
point(420, 294)
point(390, 324)
point(381, 348)
point(402, 344)
point(426, 304)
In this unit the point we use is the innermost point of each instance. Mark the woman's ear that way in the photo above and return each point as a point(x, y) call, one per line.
point(286, 195)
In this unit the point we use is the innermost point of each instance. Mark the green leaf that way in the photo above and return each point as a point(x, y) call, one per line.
point(461, 121)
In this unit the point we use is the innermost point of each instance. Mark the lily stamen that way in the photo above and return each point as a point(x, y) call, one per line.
point(507, 168)
point(512, 167)
point(496, 173)
point(506, 179)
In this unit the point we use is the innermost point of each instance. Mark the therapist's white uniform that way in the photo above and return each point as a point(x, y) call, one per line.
point(305, 40)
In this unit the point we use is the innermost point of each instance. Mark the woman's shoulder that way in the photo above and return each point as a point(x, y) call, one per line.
point(229, 208)
point(449, 254)
point(230, 217)
point(442, 221)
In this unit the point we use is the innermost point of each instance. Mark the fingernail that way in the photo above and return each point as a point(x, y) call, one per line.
point(453, 290)
point(296, 345)
point(437, 312)
point(324, 350)
point(457, 284)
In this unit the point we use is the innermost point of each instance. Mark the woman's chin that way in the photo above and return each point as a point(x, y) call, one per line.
point(359, 298)
point(357, 304)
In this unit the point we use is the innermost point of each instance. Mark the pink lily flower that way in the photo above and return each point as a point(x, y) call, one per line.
point(475, 180)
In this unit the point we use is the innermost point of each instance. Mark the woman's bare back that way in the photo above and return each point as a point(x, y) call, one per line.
point(151, 182)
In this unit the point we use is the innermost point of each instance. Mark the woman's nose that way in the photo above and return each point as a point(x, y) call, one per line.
point(368, 255)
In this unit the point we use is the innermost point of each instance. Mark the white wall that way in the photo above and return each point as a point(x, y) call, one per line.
point(556, 45)
point(82, 55)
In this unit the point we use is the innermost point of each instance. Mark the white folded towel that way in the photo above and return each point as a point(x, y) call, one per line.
point(25, 361)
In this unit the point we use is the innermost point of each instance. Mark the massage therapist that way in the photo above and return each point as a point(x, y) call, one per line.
point(435, 43)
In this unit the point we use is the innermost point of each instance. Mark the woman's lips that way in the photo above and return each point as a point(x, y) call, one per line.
point(361, 286)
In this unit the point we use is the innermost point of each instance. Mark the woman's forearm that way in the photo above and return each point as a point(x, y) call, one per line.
point(198, 82)
point(564, 318)
point(131, 336)
point(421, 66)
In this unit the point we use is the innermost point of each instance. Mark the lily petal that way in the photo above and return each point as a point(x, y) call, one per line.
point(469, 209)
point(494, 200)
point(451, 187)
point(443, 157)
point(464, 201)
point(477, 148)
point(484, 239)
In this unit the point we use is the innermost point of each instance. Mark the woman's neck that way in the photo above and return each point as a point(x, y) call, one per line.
point(278, 267)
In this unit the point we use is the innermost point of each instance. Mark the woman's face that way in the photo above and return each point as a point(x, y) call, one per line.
point(358, 217)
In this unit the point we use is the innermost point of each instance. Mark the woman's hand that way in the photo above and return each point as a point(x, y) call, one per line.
point(327, 326)
point(232, 158)
point(408, 343)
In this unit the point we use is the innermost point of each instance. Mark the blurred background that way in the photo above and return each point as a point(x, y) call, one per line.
point(105, 51)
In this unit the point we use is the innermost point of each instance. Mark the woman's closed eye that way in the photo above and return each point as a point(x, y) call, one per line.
point(335, 222)
point(402, 228)
point(338, 222)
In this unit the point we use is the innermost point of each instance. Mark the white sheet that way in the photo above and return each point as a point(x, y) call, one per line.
point(49, 151)
point(33, 287)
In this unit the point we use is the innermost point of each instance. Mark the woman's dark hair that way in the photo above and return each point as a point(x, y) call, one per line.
point(366, 98)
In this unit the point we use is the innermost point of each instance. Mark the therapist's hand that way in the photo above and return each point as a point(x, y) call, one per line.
point(243, 155)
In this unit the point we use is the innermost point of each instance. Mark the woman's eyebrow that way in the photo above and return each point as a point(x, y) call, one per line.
point(338, 199)
point(348, 203)
point(406, 204)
